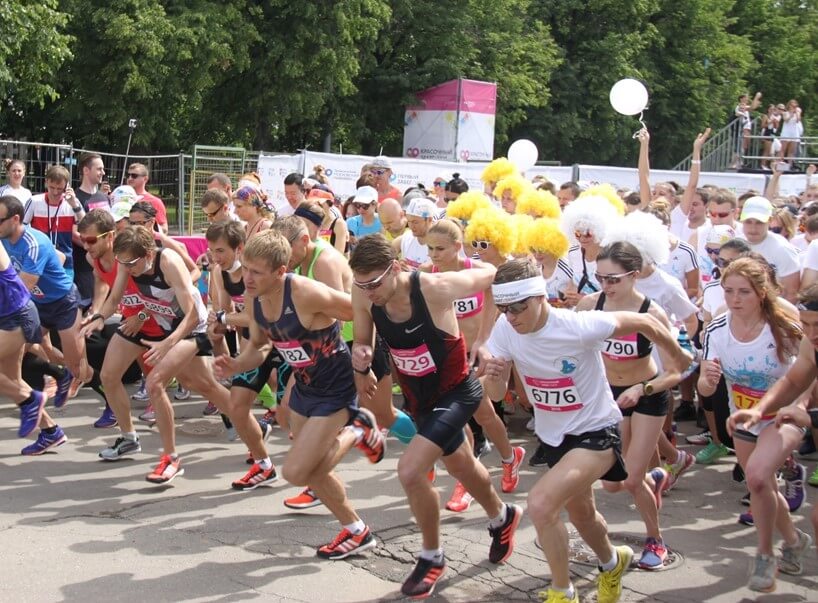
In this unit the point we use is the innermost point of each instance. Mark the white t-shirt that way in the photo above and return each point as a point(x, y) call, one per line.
point(667, 292)
point(680, 226)
point(575, 262)
point(22, 193)
point(562, 371)
point(683, 259)
point(778, 252)
point(750, 368)
point(800, 242)
point(413, 251)
point(713, 297)
point(559, 280)
point(809, 259)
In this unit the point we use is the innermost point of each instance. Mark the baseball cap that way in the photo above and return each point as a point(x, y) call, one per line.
point(120, 210)
point(366, 194)
point(125, 193)
point(718, 235)
point(757, 208)
point(383, 162)
point(422, 208)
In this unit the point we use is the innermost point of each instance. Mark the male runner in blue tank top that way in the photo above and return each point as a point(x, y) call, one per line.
point(300, 317)
point(414, 314)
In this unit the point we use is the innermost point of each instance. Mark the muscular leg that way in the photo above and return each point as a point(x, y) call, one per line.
point(239, 410)
point(424, 500)
point(11, 362)
point(462, 466)
point(121, 354)
point(381, 403)
point(73, 348)
point(494, 427)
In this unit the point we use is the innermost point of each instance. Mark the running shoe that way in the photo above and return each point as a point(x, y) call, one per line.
point(654, 555)
point(794, 477)
point(557, 596)
point(746, 518)
point(372, 444)
point(791, 558)
point(346, 543)
point(306, 500)
point(502, 537)
point(531, 424)
point(107, 419)
point(141, 395)
point(685, 412)
point(745, 500)
point(45, 441)
point(539, 459)
point(481, 446)
point(762, 578)
point(677, 469)
point(74, 387)
point(269, 416)
point(609, 588)
point(421, 582)
point(396, 390)
point(63, 389)
point(460, 500)
point(660, 479)
point(256, 477)
point(149, 416)
point(31, 413)
point(173, 384)
point(209, 410)
point(167, 469)
point(511, 471)
point(181, 393)
point(699, 439)
point(122, 447)
point(711, 453)
point(813, 479)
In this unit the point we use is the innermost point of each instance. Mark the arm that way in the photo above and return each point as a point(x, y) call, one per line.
point(178, 277)
point(692, 282)
point(771, 191)
point(101, 291)
point(319, 298)
point(341, 235)
point(5, 260)
point(363, 336)
point(445, 287)
point(695, 169)
point(668, 377)
point(789, 286)
point(756, 102)
point(587, 302)
point(644, 166)
point(109, 305)
point(808, 278)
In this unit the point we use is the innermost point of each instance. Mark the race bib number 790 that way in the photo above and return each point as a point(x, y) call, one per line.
point(553, 395)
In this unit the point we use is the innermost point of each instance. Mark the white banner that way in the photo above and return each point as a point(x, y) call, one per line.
point(792, 184)
point(273, 169)
point(558, 174)
point(629, 178)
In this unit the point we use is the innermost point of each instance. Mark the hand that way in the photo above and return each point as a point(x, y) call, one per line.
point(225, 366)
point(811, 169)
point(701, 138)
point(572, 298)
point(747, 418)
point(89, 327)
point(495, 368)
point(157, 350)
point(758, 96)
point(105, 188)
point(478, 356)
point(131, 325)
point(711, 371)
point(366, 384)
point(780, 167)
point(361, 356)
point(794, 415)
point(630, 397)
point(643, 136)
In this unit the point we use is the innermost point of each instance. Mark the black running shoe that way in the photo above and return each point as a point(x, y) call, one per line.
point(685, 412)
point(502, 538)
point(421, 582)
point(538, 460)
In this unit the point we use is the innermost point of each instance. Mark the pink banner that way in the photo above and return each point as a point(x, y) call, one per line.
point(475, 97)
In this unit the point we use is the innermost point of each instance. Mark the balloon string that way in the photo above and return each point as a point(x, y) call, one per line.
point(636, 134)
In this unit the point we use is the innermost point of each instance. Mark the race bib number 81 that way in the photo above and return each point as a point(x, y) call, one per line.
point(416, 362)
point(553, 395)
point(465, 306)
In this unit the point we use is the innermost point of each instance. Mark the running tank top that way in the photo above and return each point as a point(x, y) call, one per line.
point(13, 293)
point(466, 306)
point(159, 298)
point(630, 346)
point(131, 302)
point(320, 359)
point(236, 293)
point(429, 362)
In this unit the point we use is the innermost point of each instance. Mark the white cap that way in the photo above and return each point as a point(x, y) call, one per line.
point(383, 162)
point(757, 208)
point(120, 210)
point(720, 234)
point(366, 194)
point(422, 208)
point(124, 193)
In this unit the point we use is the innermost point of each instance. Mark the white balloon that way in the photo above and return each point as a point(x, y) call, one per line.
point(629, 97)
point(523, 153)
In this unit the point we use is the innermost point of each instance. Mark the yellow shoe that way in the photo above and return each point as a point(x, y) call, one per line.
point(610, 583)
point(557, 596)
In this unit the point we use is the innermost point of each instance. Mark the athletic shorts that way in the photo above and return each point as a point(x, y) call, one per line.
point(311, 402)
point(257, 378)
point(61, 314)
point(655, 405)
point(752, 436)
point(443, 423)
point(602, 439)
point(26, 318)
point(203, 345)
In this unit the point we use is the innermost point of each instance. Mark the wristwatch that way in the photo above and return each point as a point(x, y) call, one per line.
point(647, 388)
point(142, 315)
point(813, 415)
point(221, 317)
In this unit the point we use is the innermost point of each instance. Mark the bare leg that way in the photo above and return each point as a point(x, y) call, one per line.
point(119, 356)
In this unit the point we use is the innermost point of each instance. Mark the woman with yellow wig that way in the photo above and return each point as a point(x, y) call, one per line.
point(466, 204)
point(549, 245)
point(496, 171)
point(509, 190)
point(491, 235)
point(539, 204)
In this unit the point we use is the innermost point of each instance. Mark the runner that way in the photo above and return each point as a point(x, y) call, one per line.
point(557, 355)
point(754, 345)
point(307, 334)
point(412, 244)
point(414, 314)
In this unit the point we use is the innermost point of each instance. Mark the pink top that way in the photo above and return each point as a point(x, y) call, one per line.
point(466, 306)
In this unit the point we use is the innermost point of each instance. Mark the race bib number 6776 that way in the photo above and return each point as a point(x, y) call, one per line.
point(553, 395)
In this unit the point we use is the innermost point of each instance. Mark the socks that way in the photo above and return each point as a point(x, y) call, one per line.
point(606, 567)
point(265, 463)
point(403, 428)
point(130, 435)
point(359, 433)
point(356, 527)
point(49, 430)
point(28, 400)
point(433, 555)
point(569, 592)
point(496, 522)
point(510, 459)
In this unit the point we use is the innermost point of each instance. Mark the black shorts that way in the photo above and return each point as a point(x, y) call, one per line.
point(655, 405)
point(443, 423)
point(311, 402)
point(602, 439)
point(26, 318)
point(203, 345)
point(257, 378)
point(61, 314)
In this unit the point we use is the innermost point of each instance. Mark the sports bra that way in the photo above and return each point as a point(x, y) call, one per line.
point(630, 346)
point(466, 306)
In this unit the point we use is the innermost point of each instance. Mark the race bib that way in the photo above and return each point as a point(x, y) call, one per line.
point(238, 303)
point(623, 348)
point(37, 292)
point(416, 362)
point(131, 300)
point(157, 308)
point(466, 306)
point(293, 354)
point(553, 395)
point(746, 397)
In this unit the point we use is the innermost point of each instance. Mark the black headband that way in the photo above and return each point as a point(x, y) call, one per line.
point(308, 214)
point(810, 306)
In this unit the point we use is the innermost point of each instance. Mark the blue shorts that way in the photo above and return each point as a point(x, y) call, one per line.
point(27, 319)
point(61, 314)
point(310, 402)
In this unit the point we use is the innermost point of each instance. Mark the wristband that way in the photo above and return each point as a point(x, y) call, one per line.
point(364, 372)
point(95, 316)
point(221, 317)
point(813, 415)
point(695, 162)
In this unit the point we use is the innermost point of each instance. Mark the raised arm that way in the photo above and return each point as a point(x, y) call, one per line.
point(695, 169)
point(644, 166)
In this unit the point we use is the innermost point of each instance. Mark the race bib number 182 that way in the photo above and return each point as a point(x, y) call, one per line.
point(293, 354)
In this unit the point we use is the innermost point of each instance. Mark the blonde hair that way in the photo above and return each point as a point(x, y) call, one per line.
point(539, 204)
point(513, 183)
point(447, 228)
point(788, 224)
point(492, 225)
point(497, 170)
point(269, 246)
point(546, 236)
point(607, 192)
point(466, 204)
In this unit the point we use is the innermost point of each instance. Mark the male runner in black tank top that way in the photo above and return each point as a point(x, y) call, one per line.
point(414, 314)
point(300, 317)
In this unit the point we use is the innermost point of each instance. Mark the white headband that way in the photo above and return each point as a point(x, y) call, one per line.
point(514, 291)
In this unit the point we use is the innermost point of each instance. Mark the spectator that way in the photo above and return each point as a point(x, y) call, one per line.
point(293, 192)
point(220, 181)
point(455, 187)
point(16, 173)
point(382, 171)
point(216, 206)
point(770, 124)
point(367, 221)
point(138, 177)
point(783, 223)
point(790, 131)
point(93, 175)
point(568, 192)
point(743, 114)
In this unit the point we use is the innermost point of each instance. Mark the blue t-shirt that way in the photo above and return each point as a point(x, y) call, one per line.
point(358, 229)
point(34, 254)
point(13, 292)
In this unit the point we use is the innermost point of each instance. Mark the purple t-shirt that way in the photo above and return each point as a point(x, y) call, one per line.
point(13, 293)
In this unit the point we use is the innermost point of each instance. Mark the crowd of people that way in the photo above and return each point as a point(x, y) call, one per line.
point(608, 315)
point(781, 129)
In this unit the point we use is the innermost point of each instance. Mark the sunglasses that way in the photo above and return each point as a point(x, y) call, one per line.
point(378, 172)
point(91, 240)
point(440, 183)
point(135, 175)
point(719, 214)
point(517, 307)
point(374, 283)
point(630, 201)
point(6, 218)
point(712, 250)
point(580, 235)
point(209, 214)
point(128, 263)
point(776, 229)
point(481, 244)
point(611, 279)
point(722, 263)
point(360, 206)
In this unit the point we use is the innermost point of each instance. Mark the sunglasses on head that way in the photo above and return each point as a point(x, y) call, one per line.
point(611, 279)
point(375, 282)
point(134, 175)
point(127, 262)
point(712, 250)
point(515, 308)
point(481, 244)
point(91, 240)
point(719, 214)
point(722, 263)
